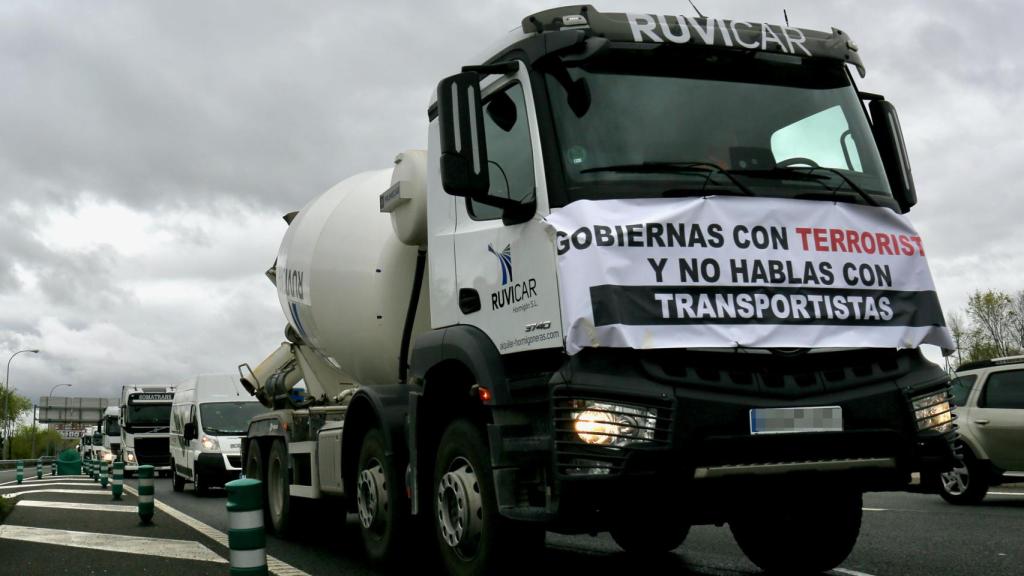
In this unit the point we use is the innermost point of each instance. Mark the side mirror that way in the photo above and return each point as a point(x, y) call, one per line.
point(885, 125)
point(189, 432)
point(463, 146)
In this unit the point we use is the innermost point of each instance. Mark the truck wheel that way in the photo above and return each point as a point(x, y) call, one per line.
point(379, 501)
point(278, 497)
point(800, 534)
point(651, 538)
point(473, 537)
point(254, 469)
point(966, 483)
point(177, 481)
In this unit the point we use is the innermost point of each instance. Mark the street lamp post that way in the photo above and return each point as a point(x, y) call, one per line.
point(7, 393)
point(49, 397)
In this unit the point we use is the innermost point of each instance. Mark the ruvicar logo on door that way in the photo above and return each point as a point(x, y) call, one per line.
point(518, 294)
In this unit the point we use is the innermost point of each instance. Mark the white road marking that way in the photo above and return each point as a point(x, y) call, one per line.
point(45, 480)
point(850, 572)
point(78, 506)
point(41, 485)
point(274, 565)
point(56, 491)
point(874, 509)
point(164, 547)
point(1007, 493)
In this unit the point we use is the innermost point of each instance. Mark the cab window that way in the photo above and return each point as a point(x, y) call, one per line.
point(509, 154)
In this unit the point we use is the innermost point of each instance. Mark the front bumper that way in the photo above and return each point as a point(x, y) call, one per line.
point(218, 468)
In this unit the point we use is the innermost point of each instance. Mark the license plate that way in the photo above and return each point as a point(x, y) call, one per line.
point(796, 420)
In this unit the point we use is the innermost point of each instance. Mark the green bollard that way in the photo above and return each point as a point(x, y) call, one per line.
point(39, 469)
point(117, 484)
point(95, 470)
point(246, 538)
point(53, 467)
point(85, 466)
point(21, 471)
point(146, 493)
point(103, 474)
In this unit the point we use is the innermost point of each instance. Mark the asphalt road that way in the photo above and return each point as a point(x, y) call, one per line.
point(902, 535)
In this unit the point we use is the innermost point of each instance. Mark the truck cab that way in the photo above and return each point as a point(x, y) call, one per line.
point(145, 427)
point(653, 271)
point(108, 431)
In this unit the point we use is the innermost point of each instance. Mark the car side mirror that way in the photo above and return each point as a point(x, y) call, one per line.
point(190, 431)
point(885, 125)
point(463, 145)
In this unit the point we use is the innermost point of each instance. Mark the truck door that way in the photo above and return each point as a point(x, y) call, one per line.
point(999, 418)
point(505, 273)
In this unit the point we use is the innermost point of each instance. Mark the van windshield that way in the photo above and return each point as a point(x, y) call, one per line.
point(228, 418)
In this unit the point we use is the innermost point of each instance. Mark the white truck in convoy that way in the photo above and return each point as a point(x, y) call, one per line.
point(146, 428)
point(651, 272)
point(108, 431)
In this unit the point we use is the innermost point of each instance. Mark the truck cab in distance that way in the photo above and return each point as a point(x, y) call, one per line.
point(108, 430)
point(145, 428)
point(209, 414)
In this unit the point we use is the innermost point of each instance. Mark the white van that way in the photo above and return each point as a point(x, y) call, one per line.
point(209, 414)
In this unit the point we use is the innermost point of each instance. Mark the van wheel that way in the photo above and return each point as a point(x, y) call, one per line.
point(652, 538)
point(201, 485)
point(379, 501)
point(473, 537)
point(177, 481)
point(278, 497)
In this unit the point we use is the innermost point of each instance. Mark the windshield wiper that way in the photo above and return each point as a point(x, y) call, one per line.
point(808, 173)
point(674, 168)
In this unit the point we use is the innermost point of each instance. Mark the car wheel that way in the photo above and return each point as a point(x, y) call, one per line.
point(800, 533)
point(379, 501)
point(278, 497)
point(177, 481)
point(474, 539)
point(966, 483)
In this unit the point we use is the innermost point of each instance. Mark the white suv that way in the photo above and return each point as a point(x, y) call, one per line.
point(989, 396)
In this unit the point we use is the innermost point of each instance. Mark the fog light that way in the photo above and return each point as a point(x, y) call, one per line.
point(606, 424)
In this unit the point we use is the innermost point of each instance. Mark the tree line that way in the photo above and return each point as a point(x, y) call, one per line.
point(991, 326)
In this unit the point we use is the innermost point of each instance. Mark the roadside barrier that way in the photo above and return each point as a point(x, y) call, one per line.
point(53, 467)
point(39, 469)
point(103, 474)
point(95, 470)
point(146, 493)
point(85, 467)
point(20, 475)
point(117, 484)
point(246, 538)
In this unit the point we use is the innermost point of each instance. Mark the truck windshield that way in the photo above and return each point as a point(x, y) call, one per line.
point(111, 427)
point(663, 122)
point(228, 418)
point(147, 415)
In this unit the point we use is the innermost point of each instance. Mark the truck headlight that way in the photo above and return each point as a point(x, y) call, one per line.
point(209, 443)
point(607, 424)
point(130, 456)
point(933, 412)
point(108, 456)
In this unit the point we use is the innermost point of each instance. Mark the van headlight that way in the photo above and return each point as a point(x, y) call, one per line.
point(108, 456)
point(933, 412)
point(616, 425)
point(209, 443)
point(130, 455)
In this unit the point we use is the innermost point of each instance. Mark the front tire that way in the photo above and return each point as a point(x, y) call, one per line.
point(474, 539)
point(966, 483)
point(651, 538)
point(201, 485)
point(379, 501)
point(278, 496)
point(800, 534)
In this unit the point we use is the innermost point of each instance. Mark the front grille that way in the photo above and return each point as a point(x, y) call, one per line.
point(573, 457)
point(153, 451)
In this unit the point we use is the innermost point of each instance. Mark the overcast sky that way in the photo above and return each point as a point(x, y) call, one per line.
point(148, 151)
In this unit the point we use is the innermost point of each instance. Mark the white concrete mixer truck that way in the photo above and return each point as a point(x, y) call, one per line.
point(652, 271)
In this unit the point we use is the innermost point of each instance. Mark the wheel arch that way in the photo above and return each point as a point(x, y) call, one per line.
point(382, 407)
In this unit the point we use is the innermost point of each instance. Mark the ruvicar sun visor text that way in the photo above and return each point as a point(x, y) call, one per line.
point(750, 272)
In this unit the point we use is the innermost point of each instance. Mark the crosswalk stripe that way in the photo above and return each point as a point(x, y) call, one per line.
point(41, 485)
point(164, 547)
point(274, 565)
point(77, 506)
